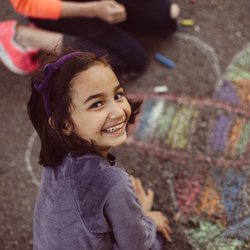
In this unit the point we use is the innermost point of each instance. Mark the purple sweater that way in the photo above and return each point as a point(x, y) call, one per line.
point(88, 203)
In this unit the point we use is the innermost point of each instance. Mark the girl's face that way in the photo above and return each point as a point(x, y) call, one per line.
point(100, 111)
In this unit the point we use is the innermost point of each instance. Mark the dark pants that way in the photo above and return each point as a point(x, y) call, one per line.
point(127, 55)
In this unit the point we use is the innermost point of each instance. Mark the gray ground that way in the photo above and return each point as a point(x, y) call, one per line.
point(222, 27)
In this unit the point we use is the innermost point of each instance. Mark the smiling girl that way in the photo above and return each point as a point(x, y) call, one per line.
point(85, 200)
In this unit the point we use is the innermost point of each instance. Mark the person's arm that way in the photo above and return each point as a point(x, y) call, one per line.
point(108, 10)
point(132, 230)
point(146, 199)
point(50, 9)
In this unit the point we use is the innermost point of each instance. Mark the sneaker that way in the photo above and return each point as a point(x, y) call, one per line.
point(16, 58)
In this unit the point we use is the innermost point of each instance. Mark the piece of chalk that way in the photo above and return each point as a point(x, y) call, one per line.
point(166, 61)
point(160, 89)
point(186, 22)
point(197, 28)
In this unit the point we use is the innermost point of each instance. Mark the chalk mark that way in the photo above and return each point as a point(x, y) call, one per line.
point(28, 161)
point(207, 50)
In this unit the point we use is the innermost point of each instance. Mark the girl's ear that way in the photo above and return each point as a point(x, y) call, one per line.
point(51, 122)
point(67, 130)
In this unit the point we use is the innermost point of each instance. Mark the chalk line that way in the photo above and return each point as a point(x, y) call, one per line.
point(27, 158)
point(207, 50)
point(245, 49)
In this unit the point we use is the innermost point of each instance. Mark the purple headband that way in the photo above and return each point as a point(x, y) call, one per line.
point(43, 86)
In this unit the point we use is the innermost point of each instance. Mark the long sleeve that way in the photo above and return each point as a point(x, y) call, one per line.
point(132, 230)
point(47, 9)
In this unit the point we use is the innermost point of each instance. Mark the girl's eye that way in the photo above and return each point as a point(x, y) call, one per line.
point(119, 95)
point(96, 105)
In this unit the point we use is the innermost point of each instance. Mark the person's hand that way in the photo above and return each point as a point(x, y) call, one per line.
point(110, 11)
point(161, 222)
point(145, 197)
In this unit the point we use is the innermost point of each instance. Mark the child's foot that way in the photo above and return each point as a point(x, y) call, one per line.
point(175, 11)
point(16, 58)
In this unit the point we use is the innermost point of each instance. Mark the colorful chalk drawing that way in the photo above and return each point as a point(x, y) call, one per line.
point(184, 128)
point(212, 202)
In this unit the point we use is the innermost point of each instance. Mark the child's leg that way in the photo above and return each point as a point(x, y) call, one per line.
point(127, 57)
point(38, 38)
point(127, 54)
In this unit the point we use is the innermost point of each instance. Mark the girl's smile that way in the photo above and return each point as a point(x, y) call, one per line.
point(114, 129)
point(100, 111)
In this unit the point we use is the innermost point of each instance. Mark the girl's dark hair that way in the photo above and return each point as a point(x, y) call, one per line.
point(54, 143)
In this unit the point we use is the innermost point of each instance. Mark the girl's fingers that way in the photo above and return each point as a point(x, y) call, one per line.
point(132, 179)
point(166, 224)
point(168, 228)
point(139, 186)
point(150, 193)
point(166, 231)
point(135, 183)
point(166, 235)
point(140, 191)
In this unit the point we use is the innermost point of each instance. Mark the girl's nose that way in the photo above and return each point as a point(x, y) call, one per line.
point(116, 111)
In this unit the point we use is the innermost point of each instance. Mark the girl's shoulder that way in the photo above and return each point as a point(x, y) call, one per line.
point(95, 167)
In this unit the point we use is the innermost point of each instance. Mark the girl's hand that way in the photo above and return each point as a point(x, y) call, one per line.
point(161, 222)
point(110, 11)
point(145, 197)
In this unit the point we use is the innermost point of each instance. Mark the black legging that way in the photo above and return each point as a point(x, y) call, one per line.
point(143, 16)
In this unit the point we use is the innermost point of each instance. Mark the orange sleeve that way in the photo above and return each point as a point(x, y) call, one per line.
point(47, 9)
